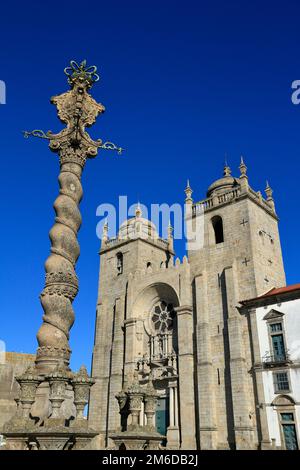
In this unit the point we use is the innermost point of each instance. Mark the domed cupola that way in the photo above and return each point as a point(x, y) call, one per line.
point(137, 227)
point(224, 184)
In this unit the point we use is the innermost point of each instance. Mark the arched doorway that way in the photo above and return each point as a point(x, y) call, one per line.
point(285, 407)
point(157, 304)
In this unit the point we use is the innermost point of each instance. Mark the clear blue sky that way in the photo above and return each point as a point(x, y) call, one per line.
point(183, 82)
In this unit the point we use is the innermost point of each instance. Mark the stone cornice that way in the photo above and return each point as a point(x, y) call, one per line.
point(249, 194)
point(120, 243)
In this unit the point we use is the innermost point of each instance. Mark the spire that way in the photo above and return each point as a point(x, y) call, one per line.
point(138, 211)
point(188, 192)
point(225, 159)
point(269, 194)
point(242, 167)
point(227, 170)
point(268, 191)
point(170, 235)
point(104, 238)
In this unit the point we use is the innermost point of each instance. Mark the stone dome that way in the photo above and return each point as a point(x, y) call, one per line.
point(137, 226)
point(223, 184)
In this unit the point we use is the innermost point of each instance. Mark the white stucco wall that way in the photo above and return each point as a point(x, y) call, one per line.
point(291, 321)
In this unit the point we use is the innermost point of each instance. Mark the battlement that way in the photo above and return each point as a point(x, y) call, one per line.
point(141, 273)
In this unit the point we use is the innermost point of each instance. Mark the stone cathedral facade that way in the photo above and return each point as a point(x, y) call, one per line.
point(178, 322)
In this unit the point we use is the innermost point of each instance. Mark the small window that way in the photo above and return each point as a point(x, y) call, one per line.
point(217, 224)
point(119, 263)
point(148, 264)
point(287, 416)
point(276, 327)
point(281, 382)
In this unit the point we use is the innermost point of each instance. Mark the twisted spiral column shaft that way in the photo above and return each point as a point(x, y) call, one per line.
point(61, 285)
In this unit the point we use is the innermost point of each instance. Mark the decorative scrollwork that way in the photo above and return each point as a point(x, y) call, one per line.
point(75, 71)
point(36, 133)
point(111, 146)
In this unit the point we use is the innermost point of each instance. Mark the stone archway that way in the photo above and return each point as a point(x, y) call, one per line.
point(156, 307)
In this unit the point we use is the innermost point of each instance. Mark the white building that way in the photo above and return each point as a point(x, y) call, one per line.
point(274, 328)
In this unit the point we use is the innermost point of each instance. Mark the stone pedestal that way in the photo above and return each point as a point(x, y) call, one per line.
point(139, 438)
point(173, 437)
point(53, 431)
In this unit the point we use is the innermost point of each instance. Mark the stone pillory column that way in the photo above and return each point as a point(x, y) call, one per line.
point(53, 398)
point(78, 110)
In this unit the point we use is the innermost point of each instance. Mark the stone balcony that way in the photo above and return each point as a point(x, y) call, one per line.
point(234, 194)
point(270, 360)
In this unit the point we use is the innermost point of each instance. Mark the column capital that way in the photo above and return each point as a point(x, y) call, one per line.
point(130, 321)
point(184, 309)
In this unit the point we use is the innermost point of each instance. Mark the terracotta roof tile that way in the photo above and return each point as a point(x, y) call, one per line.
point(273, 292)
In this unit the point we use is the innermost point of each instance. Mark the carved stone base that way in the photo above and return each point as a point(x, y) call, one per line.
point(173, 437)
point(53, 437)
point(139, 438)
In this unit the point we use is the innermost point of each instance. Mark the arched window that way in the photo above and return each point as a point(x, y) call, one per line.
point(149, 265)
point(217, 224)
point(119, 263)
point(162, 317)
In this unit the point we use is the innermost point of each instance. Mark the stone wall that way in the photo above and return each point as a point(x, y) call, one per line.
point(15, 364)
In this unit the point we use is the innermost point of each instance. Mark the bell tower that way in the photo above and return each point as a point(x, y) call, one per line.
point(138, 250)
point(240, 258)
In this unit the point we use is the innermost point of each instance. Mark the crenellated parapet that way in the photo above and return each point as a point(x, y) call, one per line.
point(159, 269)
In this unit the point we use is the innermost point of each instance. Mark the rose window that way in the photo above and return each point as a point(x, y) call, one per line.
point(162, 317)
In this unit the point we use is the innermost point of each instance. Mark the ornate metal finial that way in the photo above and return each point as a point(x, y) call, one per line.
point(81, 72)
point(78, 110)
